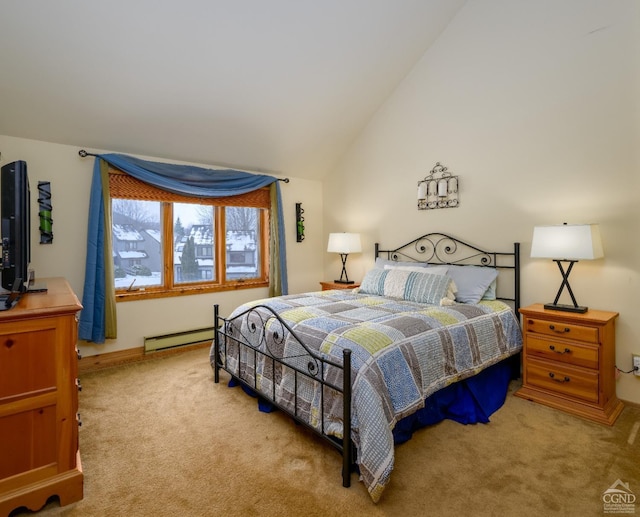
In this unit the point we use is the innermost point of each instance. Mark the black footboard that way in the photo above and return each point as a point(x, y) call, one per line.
point(257, 345)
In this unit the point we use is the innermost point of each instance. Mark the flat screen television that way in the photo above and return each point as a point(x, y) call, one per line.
point(15, 205)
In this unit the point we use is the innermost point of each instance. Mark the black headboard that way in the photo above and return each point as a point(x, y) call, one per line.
point(440, 248)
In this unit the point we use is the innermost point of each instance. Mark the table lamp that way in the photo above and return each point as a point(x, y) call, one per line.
point(344, 243)
point(566, 243)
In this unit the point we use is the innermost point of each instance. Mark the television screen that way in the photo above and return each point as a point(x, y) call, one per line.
point(15, 207)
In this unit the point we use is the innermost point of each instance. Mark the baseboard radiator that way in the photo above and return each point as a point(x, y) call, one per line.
point(187, 337)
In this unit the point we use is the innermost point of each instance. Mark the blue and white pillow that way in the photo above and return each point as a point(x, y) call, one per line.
point(414, 286)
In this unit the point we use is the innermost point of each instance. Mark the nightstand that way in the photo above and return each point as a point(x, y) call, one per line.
point(568, 362)
point(337, 285)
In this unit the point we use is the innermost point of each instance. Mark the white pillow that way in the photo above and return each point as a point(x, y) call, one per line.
point(434, 270)
point(381, 263)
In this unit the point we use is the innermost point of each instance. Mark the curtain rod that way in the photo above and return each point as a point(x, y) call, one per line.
point(84, 154)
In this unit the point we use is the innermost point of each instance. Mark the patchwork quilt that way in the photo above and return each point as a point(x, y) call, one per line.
point(402, 352)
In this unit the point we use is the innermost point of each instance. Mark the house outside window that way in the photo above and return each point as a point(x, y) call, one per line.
point(242, 253)
point(165, 244)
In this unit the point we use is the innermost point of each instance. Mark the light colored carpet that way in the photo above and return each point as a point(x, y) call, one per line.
point(159, 438)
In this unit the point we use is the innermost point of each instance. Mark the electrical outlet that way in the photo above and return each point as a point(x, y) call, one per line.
point(636, 364)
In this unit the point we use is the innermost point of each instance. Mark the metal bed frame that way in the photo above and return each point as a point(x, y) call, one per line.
point(432, 248)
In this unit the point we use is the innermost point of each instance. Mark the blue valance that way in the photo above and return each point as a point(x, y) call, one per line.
point(189, 180)
point(186, 180)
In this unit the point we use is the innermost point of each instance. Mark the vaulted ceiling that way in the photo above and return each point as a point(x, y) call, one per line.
point(282, 86)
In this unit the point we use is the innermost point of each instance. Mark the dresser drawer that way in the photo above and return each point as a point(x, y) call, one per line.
point(568, 361)
point(577, 383)
point(565, 352)
point(564, 330)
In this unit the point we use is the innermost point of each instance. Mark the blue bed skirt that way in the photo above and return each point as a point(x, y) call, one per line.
point(470, 401)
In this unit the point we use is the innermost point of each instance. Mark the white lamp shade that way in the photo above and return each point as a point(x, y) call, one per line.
point(344, 243)
point(567, 242)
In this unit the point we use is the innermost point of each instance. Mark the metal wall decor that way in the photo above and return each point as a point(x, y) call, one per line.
point(299, 223)
point(438, 190)
point(44, 212)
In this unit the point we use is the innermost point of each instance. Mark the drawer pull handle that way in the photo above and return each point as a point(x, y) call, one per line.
point(553, 377)
point(565, 351)
point(563, 331)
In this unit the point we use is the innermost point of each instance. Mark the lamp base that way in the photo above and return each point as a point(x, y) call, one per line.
point(567, 308)
point(344, 281)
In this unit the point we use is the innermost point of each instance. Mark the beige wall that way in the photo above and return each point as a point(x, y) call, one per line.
point(535, 106)
point(70, 178)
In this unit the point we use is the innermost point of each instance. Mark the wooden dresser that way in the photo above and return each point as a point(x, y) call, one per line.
point(569, 362)
point(39, 455)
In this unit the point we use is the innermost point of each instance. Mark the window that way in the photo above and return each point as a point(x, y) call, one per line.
point(166, 244)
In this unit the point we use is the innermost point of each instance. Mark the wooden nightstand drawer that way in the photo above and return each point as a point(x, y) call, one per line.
point(562, 329)
point(568, 361)
point(578, 383)
point(326, 286)
point(563, 351)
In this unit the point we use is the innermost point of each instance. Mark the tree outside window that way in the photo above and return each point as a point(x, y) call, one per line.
point(166, 245)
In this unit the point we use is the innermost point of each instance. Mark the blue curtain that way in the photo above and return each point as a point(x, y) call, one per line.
point(181, 179)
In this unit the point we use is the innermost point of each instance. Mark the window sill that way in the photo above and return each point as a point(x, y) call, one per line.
point(155, 292)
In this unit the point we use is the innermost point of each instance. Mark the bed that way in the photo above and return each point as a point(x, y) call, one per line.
point(430, 333)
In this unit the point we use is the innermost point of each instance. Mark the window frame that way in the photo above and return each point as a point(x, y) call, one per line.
point(124, 186)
